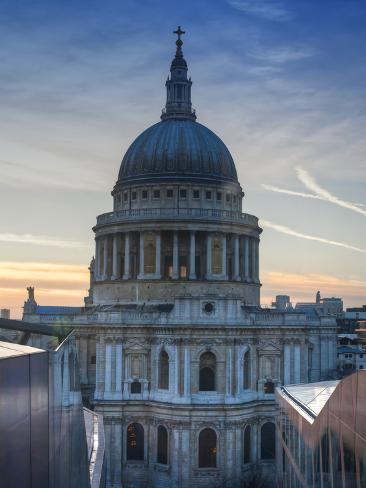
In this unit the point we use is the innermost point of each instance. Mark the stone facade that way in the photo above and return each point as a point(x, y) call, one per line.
point(174, 349)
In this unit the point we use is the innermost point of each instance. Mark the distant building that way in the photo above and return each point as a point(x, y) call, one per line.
point(321, 434)
point(347, 323)
point(322, 307)
point(351, 354)
point(47, 439)
point(4, 313)
point(282, 303)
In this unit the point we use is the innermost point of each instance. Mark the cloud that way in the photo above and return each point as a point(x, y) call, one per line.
point(267, 9)
point(281, 54)
point(40, 240)
point(286, 230)
point(311, 184)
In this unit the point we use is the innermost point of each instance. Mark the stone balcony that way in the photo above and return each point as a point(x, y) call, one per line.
point(207, 214)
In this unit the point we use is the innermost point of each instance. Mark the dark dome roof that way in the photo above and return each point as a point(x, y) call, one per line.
point(177, 149)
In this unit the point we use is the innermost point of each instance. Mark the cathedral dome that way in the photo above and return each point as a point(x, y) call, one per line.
point(178, 149)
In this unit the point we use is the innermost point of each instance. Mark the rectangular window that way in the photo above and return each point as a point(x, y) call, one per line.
point(125, 196)
point(196, 194)
point(93, 359)
point(156, 193)
point(144, 194)
point(183, 193)
point(228, 198)
point(169, 193)
point(219, 196)
point(134, 195)
point(208, 195)
point(234, 199)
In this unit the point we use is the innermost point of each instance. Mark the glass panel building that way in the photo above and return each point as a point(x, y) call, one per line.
point(321, 434)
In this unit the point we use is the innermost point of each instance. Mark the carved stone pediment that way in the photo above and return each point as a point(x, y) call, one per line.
point(269, 348)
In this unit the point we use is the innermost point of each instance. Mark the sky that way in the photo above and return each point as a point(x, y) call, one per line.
point(281, 82)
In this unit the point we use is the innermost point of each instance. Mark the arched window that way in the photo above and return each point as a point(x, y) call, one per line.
point(268, 441)
point(268, 387)
point(247, 442)
point(163, 370)
point(217, 255)
point(150, 254)
point(162, 456)
point(207, 449)
point(135, 442)
point(207, 372)
point(246, 371)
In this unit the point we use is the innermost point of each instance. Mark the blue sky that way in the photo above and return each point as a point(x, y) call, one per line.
point(282, 83)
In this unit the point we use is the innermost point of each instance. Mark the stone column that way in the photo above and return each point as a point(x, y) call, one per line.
point(257, 260)
point(297, 364)
point(223, 258)
point(228, 371)
point(115, 257)
point(158, 255)
point(208, 255)
point(142, 256)
point(108, 370)
point(253, 258)
point(192, 256)
point(176, 371)
point(246, 258)
point(175, 256)
point(119, 368)
point(126, 274)
point(236, 258)
point(187, 372)
point(105, 258)
point(97, 259)
point(286, 364)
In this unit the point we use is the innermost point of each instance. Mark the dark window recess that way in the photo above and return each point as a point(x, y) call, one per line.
point(169, 193)
point(219, 196)
point(196, 194)
point(135, 442)
point(162, 457)
point(247, 442)
point(183, 193)
point(93, 360)
point(164, 371)
point(234, 199)
point(268, 441)
point(156, 193)
point(207, 381)
point(135, 387)
point(207, 450)
point(209, 307)
point(228, 197)
point(125, 197)
point(144, 194)
point(134, 195)
point(208, 195)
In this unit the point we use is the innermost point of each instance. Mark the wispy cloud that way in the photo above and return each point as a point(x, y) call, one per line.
point(282, 54)
point(268, 9)
point(286, 230)
point(319, 192)
point(40, 240)
point(312, 185)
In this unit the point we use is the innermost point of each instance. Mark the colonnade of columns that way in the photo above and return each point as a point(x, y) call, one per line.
point(114, 257)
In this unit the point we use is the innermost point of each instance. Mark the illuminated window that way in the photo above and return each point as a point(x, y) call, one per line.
point(247, 441)
point(135, 442)
point(207, 449)
point(162, 456)
point(164, 370)
point(217, 255)
point(246, 371)
point(268, 441)
point(207, 372)
point(268, 387)
point(150, 254)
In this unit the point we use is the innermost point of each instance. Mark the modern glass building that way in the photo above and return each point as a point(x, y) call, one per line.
point(321, 434)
